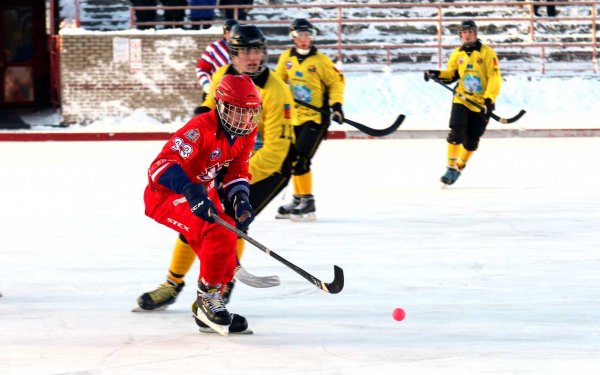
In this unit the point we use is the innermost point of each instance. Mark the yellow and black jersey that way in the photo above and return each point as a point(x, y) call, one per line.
point(275, 129)
point(478, 73)
point(309, 77)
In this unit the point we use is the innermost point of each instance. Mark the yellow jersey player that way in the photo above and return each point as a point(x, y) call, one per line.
point(270, 163)
point(476, 68)
point(314, 79)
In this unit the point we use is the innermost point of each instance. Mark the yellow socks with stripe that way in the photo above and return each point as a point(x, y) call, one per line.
point(453, 152)
point(241, 244)
point(303, 184)
point(181, 261)
point(463, 158)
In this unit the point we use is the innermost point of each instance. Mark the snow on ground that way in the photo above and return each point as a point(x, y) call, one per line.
point(376, 99)
point(498, 275)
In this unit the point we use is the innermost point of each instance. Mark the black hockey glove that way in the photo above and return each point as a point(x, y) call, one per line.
point(244, 213)
point(338, 114)
point(489, 107)
point(199, 202)
point(431, 74)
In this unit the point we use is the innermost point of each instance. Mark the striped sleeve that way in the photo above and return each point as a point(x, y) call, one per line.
point(215, 56)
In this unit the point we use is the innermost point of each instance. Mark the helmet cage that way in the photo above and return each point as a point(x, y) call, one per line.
point(237, 120)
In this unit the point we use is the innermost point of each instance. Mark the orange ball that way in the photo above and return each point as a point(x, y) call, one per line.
point(398, 314)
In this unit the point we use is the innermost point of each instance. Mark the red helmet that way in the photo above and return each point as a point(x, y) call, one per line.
point(238, 104)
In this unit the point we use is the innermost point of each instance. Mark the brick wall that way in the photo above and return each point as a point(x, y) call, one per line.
point(97, 82)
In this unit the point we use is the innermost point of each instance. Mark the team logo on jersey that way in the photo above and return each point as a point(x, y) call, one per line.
point(288, 65)
point(299, 74)
point(215, 155)
point(312, 69)
point(302, 92)
point(287, 111)
point(461, 60)
point(494, 61)
point(479, 61)
point(192, 135)
point(469, 66)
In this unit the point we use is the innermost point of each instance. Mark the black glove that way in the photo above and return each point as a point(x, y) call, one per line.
point(431, 74)
point(244, 213)
point(338, 114)
point(199, 202)
point(489, 107)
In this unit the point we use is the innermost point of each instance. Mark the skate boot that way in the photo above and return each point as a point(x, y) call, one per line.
point(305, 210)
point(161, 297)
point(210, 304)
point(226, 292)
point(239, 324)
point(283, 212)
point(452, 174)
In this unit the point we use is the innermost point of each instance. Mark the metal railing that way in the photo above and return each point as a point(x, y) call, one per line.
point(447, 16)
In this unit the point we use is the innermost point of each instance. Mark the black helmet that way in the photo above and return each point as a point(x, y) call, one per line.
point(468, 25)
point(301, 24)
point(247, 36)
point(229, 24)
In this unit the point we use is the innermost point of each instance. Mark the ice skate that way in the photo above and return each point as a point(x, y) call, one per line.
point(239, 324)
point(160, 298)
point(283, 212)
point(305, 210)
point(226, 292)
point(452, 174)
point(211, 308)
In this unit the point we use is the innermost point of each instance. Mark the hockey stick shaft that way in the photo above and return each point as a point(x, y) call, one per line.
point(481, 108)
point(334, 287)
point(363, 128)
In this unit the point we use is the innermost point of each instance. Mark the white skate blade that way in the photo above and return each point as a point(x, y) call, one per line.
point(221, 330)
point(256, 281)
point(247, 331)
point(139, 309)
point(304, 218)
point(282, 216)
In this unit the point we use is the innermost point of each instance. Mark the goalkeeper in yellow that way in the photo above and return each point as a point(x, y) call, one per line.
point(476, 68)
point(271, 160)
point(314, 79)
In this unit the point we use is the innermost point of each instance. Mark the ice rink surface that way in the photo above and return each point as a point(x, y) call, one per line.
point(499, 274)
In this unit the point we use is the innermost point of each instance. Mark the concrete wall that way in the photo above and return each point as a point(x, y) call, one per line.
point(98, 79)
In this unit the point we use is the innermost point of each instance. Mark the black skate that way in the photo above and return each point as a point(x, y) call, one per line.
point(239, 324)
point(283, 212)
point(305, 210)
point(226, 293)
point(211, 308)
point(452, 174)
point(160, 298)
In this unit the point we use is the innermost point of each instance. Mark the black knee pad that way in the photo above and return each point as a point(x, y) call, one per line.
point(471, 144)
point(302, 166)
point(454, 137)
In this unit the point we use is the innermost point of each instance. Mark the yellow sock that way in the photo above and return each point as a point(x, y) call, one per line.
point(304, 184)
point(464, 157)
point(181, 261)
point(241, 244)
point(295, 180)
point(452, 152)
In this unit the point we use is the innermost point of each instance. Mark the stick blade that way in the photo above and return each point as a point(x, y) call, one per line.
point(513, 119)
point(337, 284)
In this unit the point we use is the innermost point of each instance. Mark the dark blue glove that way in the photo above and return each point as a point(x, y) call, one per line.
point(431, 74)
point(338, 114)
point(199, 202)
point(488, 107)
point(244, 213)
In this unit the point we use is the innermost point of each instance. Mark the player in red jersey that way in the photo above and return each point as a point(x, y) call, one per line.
point(181, 193)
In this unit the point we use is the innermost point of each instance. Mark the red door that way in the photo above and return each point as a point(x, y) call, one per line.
point(24, 80)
